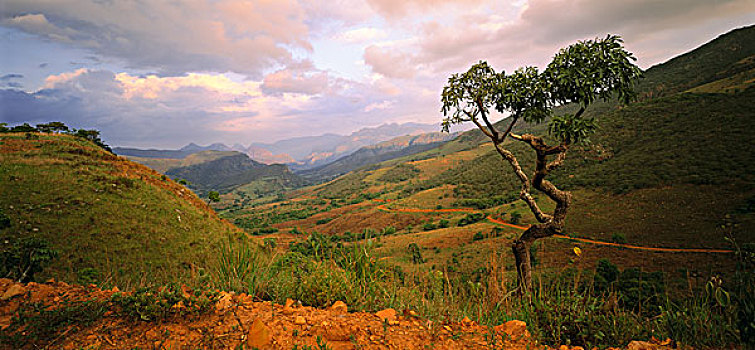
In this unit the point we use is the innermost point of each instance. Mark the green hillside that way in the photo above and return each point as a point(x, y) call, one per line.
point(224, 171)
point(110, 220)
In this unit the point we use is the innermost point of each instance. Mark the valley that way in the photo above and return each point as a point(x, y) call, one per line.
point(258, 247)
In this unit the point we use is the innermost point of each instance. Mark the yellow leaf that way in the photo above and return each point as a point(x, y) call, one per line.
point(577, 251)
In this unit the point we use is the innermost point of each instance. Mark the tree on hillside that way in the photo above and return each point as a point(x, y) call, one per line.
point(213, 196)
point(579, 74)
point(52, 127)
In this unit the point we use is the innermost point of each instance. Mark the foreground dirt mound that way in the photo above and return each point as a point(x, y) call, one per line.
point(236, 322)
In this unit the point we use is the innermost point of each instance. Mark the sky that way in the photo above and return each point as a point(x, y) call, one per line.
point(165, 73)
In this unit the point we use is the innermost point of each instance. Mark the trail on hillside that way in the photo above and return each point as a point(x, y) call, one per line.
point(383, 207)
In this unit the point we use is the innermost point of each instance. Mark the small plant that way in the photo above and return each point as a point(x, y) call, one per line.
point(22, 258)
point(515, 217)
point(40, 325)
point(429, 226)
point(149, 304)
point(415, 253)
point(443, 223)
point(618, 238)
point(478, 236)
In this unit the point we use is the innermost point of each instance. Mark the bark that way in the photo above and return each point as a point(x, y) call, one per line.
point(549, 224)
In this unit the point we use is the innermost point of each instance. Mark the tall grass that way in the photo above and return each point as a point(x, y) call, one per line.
point(564, 307)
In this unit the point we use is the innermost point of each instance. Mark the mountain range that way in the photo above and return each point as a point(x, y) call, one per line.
point(299, 152)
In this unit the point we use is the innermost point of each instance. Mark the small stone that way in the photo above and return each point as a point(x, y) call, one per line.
point(258, 336)
point(339, 307)
point(13, 291)
point(300, 320)
point(387, 314)
point(393, 322)
point(515, 329)
point(563, 347)
point(577, 348)
point(289, 303)
point(643, 345)
point(466, 321)
point(224, 302)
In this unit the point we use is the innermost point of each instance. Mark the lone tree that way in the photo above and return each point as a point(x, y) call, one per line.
point(579, 74)
point(213, 196)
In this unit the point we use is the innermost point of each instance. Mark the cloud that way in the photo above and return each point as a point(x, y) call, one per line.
point(393, 9)
point(301, 78)
point(389, 63)
point(171, 37)
point(378, 106)
point(361, 35)
point(7, 81)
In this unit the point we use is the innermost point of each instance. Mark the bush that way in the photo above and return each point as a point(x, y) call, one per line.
point(429, 226)
point(515, 216)
point(471, 219)
point(443, 223)
point(416, 254)
point(149, 304)
point(22, 258)
point(39, 324)
point(478, 236)
point(618, 238)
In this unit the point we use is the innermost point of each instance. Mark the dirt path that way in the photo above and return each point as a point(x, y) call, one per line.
point(383, 207)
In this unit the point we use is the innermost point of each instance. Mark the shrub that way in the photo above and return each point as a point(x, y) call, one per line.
point(22, 258)
point(429, 226)
point(618, 238)
point(478, 236)
point(471, 219)
point(515, 216)
point(416, 254)
point(443, 223)
point(39, 324)
point(149, 304)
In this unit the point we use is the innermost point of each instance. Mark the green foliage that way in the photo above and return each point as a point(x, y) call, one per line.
point(618, 238)
point(150, 304)
point(571, 129)
point(88, 275)
point(323, 221)
point(490, 202)
point(416, 253)
point(4, 220)
point(443, 223)
point(22, 258)
point(515, 217)
point(478, 236)
point(213, 196)
point(40, 324)
point(471, 219)
point(399, 173)
point(429, 226)
point(270, 243)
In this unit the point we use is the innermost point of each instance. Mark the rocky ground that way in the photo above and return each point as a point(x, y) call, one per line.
point(237, 322)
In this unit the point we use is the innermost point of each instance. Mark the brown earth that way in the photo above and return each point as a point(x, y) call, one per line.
point(237, 322)
point(237, 319)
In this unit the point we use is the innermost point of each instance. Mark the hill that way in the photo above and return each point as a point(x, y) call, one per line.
point(224, 171)
point(384, 151)
point(110, 220)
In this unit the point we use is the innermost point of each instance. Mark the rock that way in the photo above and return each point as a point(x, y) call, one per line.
point(386, 315)
point(563, 347)
point(339, 307)
point(515, 329)
point(466, 321)
point(289, 303)
point(337, 333)
point(300, 320)
point(13, 291)
point(643, 345)
point(224, 302)
point(259, 336)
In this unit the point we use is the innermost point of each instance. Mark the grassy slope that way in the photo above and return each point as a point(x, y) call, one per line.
point(663, 172)
point(105, 212)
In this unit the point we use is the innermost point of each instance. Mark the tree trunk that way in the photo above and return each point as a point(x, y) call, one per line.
point(523, 265)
